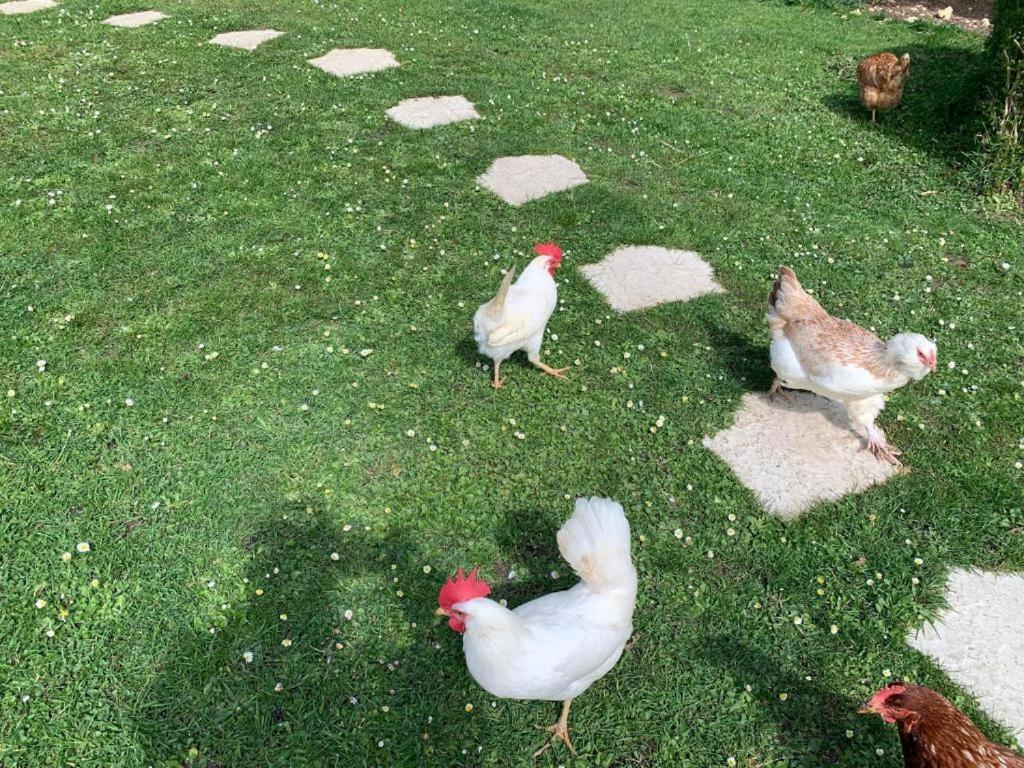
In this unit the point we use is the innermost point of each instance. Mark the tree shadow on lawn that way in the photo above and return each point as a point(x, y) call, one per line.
point(940, 109)
point(812, 720)
point(335, 674)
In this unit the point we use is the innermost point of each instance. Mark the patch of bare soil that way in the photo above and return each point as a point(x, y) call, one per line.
point(972, 15)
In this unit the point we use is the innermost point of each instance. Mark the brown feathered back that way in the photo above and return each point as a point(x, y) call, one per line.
point(789, 302)
point(881, 79)
point(943, 736)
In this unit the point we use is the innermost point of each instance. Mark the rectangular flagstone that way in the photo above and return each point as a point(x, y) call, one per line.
point(431, 111)
point(25, 6)
point(518, 180)
point(133, 20)
point(345, 62)
point(246, 39)
point(795, 454)
point(979, 640)
point(640, 276)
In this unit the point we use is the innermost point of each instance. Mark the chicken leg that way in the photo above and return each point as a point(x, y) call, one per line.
point(558, 373)
point(559, 730)
point(862, 415)
point(496, 382)
point(777, 390)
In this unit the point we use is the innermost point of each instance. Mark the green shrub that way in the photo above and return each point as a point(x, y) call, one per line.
point(1002, 140)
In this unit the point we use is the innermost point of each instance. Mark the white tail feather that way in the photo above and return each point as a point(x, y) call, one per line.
point(595, 541)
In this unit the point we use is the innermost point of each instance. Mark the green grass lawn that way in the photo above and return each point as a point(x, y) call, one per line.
point(200, 242)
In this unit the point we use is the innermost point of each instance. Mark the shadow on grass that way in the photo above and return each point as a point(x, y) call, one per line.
point(940, 110)
point(746, 362)
point(316, 686)
point(811, 720)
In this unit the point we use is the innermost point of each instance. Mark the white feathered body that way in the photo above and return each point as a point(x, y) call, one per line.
point(840, 360)
point(826, 355)
point(553, 648)
point(517, 321)
point(837, 382)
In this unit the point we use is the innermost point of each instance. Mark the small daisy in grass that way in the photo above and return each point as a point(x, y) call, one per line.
point(83, 547)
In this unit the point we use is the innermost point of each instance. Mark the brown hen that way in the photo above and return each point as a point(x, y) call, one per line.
point(881, 78)
point(934, 733)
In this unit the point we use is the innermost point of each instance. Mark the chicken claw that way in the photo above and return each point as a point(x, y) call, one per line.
point(497, 382)
point(559, 730)
point(778, 391)
point(558, 373)
point(885, 451)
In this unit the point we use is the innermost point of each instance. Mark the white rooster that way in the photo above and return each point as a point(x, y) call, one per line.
point(517, 316)
point(840, 360)
point(553, 648)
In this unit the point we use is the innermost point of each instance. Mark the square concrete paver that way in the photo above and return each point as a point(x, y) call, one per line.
point(246, 39)
point(794, 455)
point(25, 6)
point(345, 62)
point(641, 276)
point(132, 20)
point(518, 180)
point(979, 641)
point(431, 111)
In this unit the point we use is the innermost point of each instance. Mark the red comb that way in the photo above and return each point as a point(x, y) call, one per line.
point(882, 695)
point(462, 588)
point(548, 249)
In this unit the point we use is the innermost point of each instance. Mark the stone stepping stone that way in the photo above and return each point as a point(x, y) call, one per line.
point(977, 641)
point(25, 6)
point(345, 62)
point(431, 111)
point(794, 455)
point(133, 20)
point(640, 276)
point(518, 180)
point(246, 39)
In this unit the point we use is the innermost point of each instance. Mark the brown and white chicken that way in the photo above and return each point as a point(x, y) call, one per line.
point(517, 316)
point(881, 79)
point(934, 733)
point(837, 359)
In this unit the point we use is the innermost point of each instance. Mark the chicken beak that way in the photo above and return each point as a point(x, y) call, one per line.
point(865, 709)
point(440, 612)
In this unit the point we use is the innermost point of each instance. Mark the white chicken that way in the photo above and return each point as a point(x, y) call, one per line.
point(839, 360)
point(517, 316)
point(553, 648)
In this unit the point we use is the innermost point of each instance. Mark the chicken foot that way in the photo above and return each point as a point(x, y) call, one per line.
point(558, 373)
point(862, 415)
point(559, 730)
point(497, 381)
point(777, 390)
point(881, 448)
